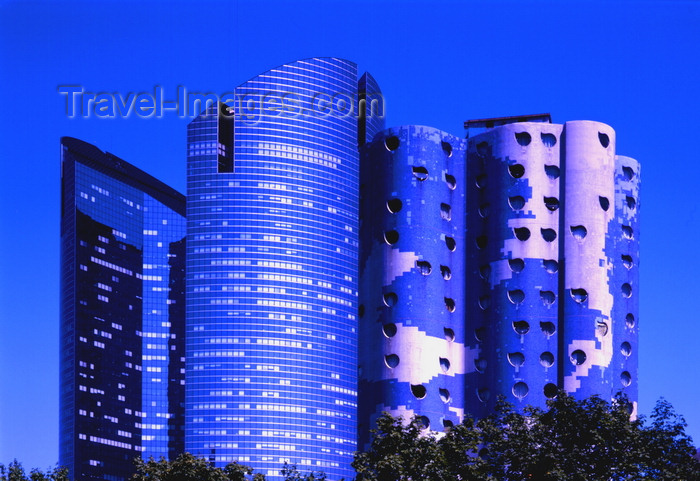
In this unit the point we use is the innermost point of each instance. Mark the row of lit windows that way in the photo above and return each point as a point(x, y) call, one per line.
point(295, 228)
point(285, 304)
point(113, 266)
point(263, 207)
point(264, 290)
point(151, 426)
point(315, 256)
point(110, 442)
point(287, 174)
point(303, 152)
point(271, 277)
point(305, 158)
point(217, 353)
point(253, 322)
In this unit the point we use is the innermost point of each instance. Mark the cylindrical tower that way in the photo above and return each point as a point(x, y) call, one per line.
point(551, 263)
point(272, 209)
point(513, 263)
point(587, 296)
point(412, 354)
point(624, 234)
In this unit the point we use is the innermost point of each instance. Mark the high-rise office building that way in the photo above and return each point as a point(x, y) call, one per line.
point(370, 111)
point(412, 333)
point(272, 216)
point(122, 315)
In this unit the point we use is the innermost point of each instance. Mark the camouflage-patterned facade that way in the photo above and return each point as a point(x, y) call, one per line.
point(413, 351)
point(552, 263)
point(542, 290)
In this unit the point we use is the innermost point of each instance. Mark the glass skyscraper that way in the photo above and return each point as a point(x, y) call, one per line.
point(272, 228)
point(122, 315)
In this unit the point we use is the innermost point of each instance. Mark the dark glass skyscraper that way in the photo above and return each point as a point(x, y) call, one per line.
point(272, 216)
point(122, 315)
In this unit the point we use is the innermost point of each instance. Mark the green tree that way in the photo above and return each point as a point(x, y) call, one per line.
point(460, 448)
point(571, 440)
point(403, 451)
point(15, 472)
point(667, 451)
point(190, 468)
point(291, 473)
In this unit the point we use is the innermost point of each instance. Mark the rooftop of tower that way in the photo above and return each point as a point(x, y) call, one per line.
point(122, 170)
point(492, 122)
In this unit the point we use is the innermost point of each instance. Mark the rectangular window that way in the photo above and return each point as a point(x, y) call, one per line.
point(225, 137)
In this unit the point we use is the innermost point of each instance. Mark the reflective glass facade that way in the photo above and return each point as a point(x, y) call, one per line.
point(371, 109)
point(272, 226)
point(122, 315)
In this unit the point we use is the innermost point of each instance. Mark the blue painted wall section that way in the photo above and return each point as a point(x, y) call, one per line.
point(413, 356)
point(624, 233)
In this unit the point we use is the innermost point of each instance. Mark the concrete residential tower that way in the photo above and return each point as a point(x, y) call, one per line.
point(552, 262)
point(506, 266)
point(413, 356)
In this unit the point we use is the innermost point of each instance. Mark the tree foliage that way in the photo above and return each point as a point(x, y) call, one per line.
point(571, 440)
point(291, 473)
point(588, 440)
point(15, 472)
point(187, 467)
point(666, 447)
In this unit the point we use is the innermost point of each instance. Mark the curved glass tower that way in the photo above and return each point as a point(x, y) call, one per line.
point(412, 351)
point(272, 225)
point(551, 261)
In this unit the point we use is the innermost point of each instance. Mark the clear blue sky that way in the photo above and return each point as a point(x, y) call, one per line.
point(633, 65)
